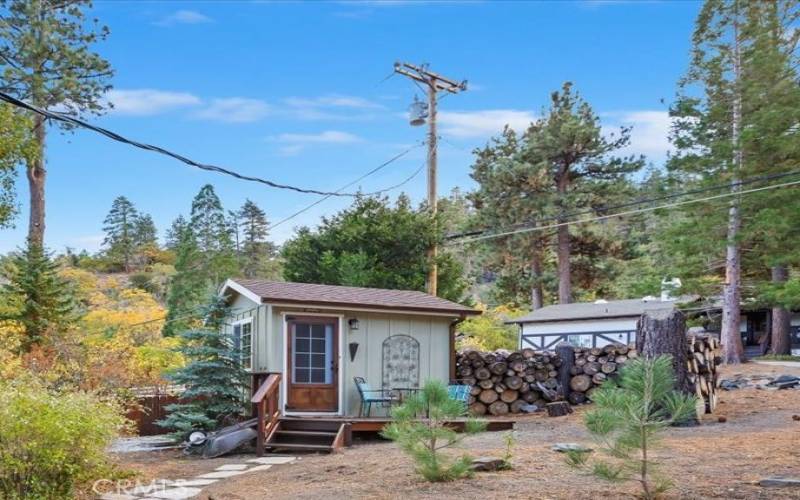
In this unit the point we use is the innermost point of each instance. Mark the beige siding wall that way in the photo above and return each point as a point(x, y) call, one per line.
point(269, 347)
point(432, 333)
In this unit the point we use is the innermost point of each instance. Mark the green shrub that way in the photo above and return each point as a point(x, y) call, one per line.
point(626, 422)
point(423, 439)
point(52, 444)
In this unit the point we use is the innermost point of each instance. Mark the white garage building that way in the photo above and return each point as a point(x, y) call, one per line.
point(586, 324)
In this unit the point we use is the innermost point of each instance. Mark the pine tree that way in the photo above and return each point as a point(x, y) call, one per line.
point(173, 236)
point(188, 287)
point(205, 257)
point(120, 226)
point(568, 145)
point(256, 250)
point(16, 146)
point(146, 235)
point(626, 420)
point(215, 382)
point(513, 192)
point(213, 236)
point(40, 300)
point(733, 119)
point(47, 61)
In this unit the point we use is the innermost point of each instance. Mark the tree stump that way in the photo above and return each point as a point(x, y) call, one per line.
point(664, 333)
point(558, 409)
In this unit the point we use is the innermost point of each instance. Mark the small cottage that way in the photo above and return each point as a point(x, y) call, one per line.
point(319, 337)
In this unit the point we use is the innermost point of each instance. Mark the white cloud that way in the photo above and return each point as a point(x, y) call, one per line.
point(146, 102)
point(235, 110)
point(295, 143)
point(184, 17)
point(331, 107)
point(485, 123)
point(649, 133)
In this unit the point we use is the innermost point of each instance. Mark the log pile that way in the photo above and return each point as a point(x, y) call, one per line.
point(593, 366)
point(508, 382)
point(703, 351)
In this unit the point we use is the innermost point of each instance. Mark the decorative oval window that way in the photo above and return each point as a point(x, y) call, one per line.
point(400, 362)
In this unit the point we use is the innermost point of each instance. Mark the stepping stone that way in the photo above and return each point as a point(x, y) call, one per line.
point(565, 447)
point(177, 493)
point(780, 482)
point(259, 468)
point(222, 474)
point(232, 467)
point(194, 482)
point(117, 496)
point(272, 460)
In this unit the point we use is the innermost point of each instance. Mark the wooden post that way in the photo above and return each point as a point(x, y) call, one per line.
point(566, 352)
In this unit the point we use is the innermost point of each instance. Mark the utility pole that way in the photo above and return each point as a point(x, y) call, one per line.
point(434, 83)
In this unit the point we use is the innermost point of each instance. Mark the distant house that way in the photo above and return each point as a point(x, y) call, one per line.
point(599, 323)
point(585, 324)
point(318, 337)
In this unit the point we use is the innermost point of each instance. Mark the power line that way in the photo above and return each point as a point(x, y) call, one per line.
point(640, 201)
point(156, 149)
point(629, 212)
point(312, 205)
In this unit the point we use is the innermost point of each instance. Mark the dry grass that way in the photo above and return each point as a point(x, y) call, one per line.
point(715, 460)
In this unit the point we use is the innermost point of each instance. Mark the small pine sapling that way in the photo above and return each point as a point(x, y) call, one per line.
point(510, 440)
point(425, 438)
point(626, 422)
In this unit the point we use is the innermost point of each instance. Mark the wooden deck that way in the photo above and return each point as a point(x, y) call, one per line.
point(376, 424)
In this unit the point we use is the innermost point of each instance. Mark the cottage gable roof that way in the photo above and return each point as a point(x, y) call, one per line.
point(628, 308)
point(344, 296)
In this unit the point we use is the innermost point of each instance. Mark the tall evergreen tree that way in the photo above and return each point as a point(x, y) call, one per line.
point(173, 236)
point(256, 250)
point(16, 146)
point(40, 300)
point(771, 138)
point(188, 287)
point(213, 236)
point(146, 234)
point(205, 257)
point(733, 119)
point(47, 61)
point(120, 226)
point(511, 192)
point(567, 144)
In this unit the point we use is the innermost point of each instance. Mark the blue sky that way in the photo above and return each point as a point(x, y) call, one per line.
point(295, 92)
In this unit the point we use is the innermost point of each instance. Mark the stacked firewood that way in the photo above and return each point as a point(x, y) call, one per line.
point(703, 351)
point(595, 365)
point(504, 381)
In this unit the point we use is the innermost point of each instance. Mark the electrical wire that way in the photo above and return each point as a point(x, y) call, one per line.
point(641, 201)
point(156, 149)
point(629, 212)
point(312, 205)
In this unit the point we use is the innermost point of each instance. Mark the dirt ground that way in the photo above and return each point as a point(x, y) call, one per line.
point(715, 460)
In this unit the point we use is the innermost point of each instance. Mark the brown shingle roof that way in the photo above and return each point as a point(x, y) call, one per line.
point(370, 298)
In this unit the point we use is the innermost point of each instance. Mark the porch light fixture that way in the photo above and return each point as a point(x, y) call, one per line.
point(353, 322)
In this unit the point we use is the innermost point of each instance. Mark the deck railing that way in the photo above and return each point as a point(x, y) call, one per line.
point(265, 399)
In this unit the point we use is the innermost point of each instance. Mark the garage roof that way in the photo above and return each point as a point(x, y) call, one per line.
point(629, 308)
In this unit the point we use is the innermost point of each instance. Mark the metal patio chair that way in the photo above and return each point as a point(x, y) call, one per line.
point(370, 396)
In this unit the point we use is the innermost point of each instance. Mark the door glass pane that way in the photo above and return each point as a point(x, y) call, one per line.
point(318, 376)
point(312, 353)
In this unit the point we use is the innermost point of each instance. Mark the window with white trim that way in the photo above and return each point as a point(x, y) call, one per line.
point(243, 341)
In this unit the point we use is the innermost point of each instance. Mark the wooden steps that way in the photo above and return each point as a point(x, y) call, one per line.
point(314, 435)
